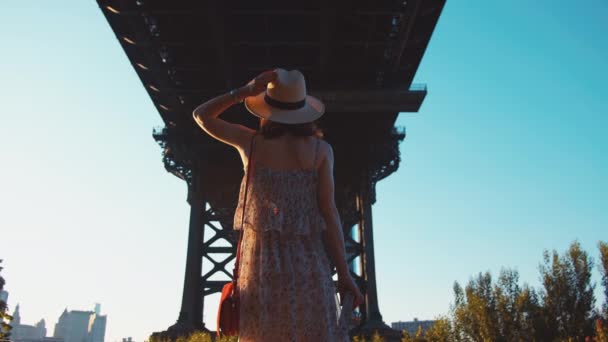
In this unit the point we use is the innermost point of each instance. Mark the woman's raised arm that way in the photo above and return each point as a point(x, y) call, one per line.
point(207, 114)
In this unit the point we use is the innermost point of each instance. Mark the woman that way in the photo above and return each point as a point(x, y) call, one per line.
point(291, 224)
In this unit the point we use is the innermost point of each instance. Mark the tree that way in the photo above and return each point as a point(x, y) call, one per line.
point(603, 247)
point(376, 337)
point(501, 311)
point(474, 314)
point(5, 318)
point(405, 336)
point(519, 315)
point(602, 321)
point(567, 294)
point(440, 331)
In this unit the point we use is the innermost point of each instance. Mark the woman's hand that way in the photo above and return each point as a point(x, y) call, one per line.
point(346, 283)
point(258, 84)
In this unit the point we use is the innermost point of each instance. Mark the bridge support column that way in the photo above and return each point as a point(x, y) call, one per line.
point(191, 314)
point(372, 319)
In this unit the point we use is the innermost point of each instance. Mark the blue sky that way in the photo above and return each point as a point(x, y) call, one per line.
point(506, 158)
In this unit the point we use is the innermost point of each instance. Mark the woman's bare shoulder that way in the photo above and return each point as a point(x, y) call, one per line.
point(325, 150)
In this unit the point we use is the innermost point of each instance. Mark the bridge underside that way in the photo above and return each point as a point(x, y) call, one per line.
point(359, 57)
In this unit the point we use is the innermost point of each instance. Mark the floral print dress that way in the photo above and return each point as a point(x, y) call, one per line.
point(285, 287)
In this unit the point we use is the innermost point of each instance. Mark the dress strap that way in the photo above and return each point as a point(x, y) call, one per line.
point(251, 150)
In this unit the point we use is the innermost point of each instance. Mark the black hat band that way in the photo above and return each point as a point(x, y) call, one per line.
point(284, 105)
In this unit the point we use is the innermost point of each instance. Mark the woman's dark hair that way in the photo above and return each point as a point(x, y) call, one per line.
point(272, 129)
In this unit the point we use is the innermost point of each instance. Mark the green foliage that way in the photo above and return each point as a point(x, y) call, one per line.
point(474, 316)
point(419, 333)
point(488, 311)
point(405, 336)
point(5, 318)
point(567, 294)
point(603, 247)
point(227, 339)
point(197, 337)
point(440, 331)
point(601, 328)
point(359, 338)
point(502, 310)
point(377, 338)
point(419, 336)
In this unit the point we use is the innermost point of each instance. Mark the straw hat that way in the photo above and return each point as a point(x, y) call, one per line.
point(285, 100)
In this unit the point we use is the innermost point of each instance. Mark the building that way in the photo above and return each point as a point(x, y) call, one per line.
point(3, 296)
point(412, 326)
point(81, 326)
point(97, 327)
point(29, 333)
point(24, 331)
